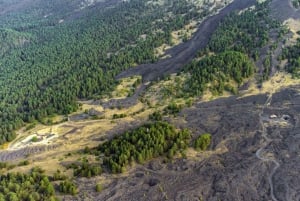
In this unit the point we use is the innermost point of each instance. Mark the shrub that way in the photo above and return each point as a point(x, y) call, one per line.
point(203, 141)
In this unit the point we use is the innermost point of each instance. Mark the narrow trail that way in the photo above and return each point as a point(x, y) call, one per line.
point(267, 141)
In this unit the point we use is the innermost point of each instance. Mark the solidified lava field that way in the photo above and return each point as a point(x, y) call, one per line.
point(185, 52)
point(255, 155)
point(255, 150)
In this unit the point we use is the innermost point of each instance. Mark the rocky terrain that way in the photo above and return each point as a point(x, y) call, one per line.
point(254, 155)
point(255, 149)
point(284, 10)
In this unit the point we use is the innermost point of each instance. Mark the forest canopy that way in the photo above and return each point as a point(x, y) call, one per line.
point(292, 54)
point(51, 54)
point(142, 144)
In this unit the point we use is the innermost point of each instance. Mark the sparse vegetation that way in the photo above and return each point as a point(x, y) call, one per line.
point(68, 187)
point(87, 170)
point(3, 165)
point(30, 126)
point(99, 187)
point(23, 163)
point(34, 139)
point(59, 176)
point(173, 108)
point(155, 116)
point(119, 116)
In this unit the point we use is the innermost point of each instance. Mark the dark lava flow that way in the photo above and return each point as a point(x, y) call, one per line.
point(185, 52)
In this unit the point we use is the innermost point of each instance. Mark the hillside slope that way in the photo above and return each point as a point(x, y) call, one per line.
point(149, 100)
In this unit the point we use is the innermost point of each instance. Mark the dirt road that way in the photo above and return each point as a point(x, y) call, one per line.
point(259, 153)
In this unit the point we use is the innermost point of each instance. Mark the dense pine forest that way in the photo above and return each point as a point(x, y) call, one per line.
point(142, 144)
point(54, 57)
point(292, 54)
point(55, 53)
point(219, 71)
point(235, 47)
point(245, 32)
point(33, 186)
point(51, 55)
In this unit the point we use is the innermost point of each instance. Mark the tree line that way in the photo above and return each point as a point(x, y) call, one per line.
point(232, 52)
point(142, 144)
point(216, 73)
point(292, 54)
point(78, 58)
point(34, 186)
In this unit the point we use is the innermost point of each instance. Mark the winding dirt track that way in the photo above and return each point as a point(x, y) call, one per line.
point(264, 145)
point(185, 52)
point(282, 10)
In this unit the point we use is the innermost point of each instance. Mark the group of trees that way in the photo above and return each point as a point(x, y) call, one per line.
point(296, 3)
point(156, 116)
point(10, 39)
point(32, 187)
point(292, 54)
point(144, 143)
point(202, 142)
point(173, 108)
point(139, 145)
point(68, 187)
point(87, 170)
point(57, 63)
point(245, 32)
point(218, 70)
point(235, 43)
point(119, 116)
